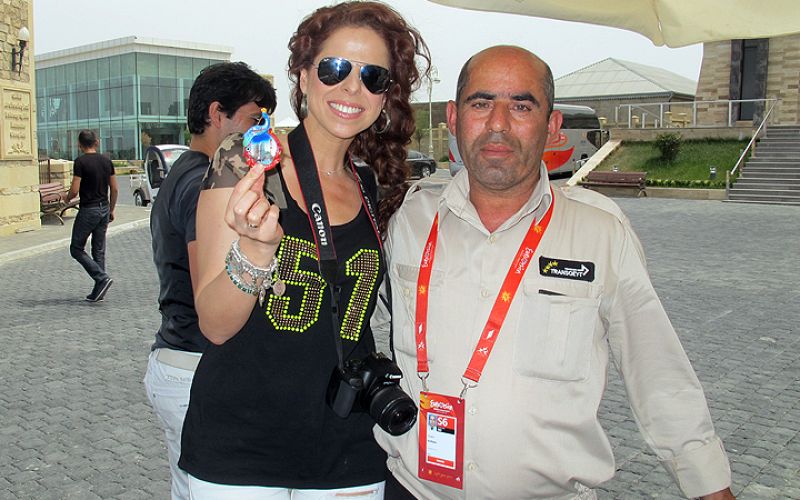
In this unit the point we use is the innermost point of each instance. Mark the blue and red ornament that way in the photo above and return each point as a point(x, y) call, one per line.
point(261, 145)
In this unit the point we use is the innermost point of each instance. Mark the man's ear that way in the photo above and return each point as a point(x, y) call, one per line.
point(452, 116)
point(215, 114)
point(554, 125)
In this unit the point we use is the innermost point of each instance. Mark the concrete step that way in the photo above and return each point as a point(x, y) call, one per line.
point(769, 181)
point(745, 185)
point(756, 173)
point(781, 181)
point(765, 198)
point(784, 127)
point(777, 155)
point(767, 163)
point(769, 160)
point(769, 173)
point(780, 138)
point(777, 162)
point(782, 134)
point(783, 194)
point(779, 141)
point(762, 202)
point(778, 146)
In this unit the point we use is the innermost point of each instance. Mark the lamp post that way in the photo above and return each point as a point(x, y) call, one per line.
point(433, 78)
point(16, 55)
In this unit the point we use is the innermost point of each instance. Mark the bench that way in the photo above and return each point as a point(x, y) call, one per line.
point(617, 180)
point(53, 200)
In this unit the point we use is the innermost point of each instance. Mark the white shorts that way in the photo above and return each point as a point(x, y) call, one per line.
point(203, 490)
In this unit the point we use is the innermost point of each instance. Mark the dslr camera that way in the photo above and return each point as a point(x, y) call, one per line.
point(372, 385)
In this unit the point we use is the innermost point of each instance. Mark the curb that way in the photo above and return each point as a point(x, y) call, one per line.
point(686, 193)
point(63, 243)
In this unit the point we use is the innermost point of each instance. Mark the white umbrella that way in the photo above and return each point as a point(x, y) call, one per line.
point(675, 23)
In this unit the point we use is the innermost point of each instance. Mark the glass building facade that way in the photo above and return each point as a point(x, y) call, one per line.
point(132, 91)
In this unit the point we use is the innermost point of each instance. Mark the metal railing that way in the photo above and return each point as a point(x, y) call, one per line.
point(662, 114)
point(640, 120)
point(732, 172)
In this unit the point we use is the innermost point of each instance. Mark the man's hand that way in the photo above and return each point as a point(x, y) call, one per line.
point(111, 216)
point(725, 494)
point(74, 188)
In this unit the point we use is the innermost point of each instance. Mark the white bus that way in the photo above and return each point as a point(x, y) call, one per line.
point(580, 137)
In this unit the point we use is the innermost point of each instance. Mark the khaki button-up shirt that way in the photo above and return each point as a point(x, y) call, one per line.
point(531, 425)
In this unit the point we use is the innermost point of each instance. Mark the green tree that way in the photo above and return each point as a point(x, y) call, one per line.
point(421, 131)
point(669, 145)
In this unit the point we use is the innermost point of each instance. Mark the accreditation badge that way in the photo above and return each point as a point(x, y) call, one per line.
point(441, 439)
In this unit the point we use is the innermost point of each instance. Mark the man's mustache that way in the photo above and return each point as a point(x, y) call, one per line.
point(497, 138)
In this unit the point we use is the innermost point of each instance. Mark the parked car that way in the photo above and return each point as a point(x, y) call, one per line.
point(157, 162)
point(420, 165)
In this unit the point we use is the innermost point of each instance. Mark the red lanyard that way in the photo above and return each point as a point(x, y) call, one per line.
point(501, 305)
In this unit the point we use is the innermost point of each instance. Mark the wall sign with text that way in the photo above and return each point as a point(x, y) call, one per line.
point(15, 131)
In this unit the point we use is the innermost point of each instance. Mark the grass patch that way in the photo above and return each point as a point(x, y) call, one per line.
point(689, 169)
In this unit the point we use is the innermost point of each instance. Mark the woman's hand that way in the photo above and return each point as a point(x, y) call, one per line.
point(250, 214)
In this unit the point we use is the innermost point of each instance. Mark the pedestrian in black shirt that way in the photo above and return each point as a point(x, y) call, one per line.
point(225, 98)
point(93, 178)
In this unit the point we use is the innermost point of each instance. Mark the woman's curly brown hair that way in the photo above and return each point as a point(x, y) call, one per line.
point(386, 152)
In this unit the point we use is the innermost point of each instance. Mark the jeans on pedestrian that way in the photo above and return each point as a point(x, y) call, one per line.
point(168, 391)
point(203, 490)
point(91, 221)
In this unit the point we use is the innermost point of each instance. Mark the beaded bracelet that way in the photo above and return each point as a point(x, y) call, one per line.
point(251, 279)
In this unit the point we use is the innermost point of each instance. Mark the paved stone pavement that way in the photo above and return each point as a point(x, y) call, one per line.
point(75, 423)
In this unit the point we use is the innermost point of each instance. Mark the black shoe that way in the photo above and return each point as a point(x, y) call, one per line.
point(99, 290)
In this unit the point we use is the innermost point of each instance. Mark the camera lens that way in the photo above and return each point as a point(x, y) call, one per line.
point(393, 410)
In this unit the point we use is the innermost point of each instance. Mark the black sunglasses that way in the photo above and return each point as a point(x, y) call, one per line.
point(333, 70)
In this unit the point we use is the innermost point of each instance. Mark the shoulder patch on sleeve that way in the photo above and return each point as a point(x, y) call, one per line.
point(424, 187)
point(592, 199)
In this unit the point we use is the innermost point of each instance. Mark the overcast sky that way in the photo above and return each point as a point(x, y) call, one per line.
point(259, 30)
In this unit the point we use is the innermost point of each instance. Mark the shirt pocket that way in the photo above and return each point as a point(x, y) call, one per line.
point(404, 286)
point(556, 330)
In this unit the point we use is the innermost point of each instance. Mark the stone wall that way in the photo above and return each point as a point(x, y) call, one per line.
point(714, 82)
point(783, 79)
point(19, 176)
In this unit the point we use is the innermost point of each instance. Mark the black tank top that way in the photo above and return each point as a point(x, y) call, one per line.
point(257, 414)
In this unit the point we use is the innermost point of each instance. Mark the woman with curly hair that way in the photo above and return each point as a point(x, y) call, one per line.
point(285, 284)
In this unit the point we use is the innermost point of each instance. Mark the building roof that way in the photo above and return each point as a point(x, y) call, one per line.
point(288, 122)
point(614, 78)
point(130, 44)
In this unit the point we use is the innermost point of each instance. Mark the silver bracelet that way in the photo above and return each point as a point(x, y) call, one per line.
point(252, 279)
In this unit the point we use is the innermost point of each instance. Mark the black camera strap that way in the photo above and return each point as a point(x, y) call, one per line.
point(308, 177)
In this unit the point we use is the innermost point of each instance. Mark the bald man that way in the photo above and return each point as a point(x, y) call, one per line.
point(531, 289)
